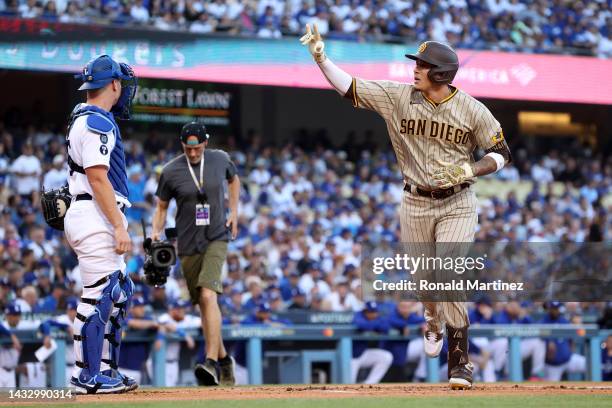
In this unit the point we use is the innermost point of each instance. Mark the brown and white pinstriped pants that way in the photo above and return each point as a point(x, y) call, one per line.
point(451, 220)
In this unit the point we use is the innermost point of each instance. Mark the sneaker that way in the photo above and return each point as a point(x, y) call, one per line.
point(208, 373)
point(461, 377)
point(226, 371)
point(98, 384)
point(432, 342)
point(130, 383)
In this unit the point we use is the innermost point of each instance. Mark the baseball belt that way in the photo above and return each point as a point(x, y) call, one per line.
point(439, 194)
point(88, 197)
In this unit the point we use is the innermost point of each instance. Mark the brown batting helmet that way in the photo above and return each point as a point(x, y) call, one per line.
point(442, 57)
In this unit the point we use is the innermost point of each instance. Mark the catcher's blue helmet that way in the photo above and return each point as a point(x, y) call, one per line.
point(101, 71)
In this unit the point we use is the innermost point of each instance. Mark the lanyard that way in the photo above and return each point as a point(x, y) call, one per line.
point(199, 184)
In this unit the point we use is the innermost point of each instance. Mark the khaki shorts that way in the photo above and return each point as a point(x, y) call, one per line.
point(204, 270)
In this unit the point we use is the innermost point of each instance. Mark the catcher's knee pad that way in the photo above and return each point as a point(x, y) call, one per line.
point(93, 314)
point(121, 305)
point(127, 286)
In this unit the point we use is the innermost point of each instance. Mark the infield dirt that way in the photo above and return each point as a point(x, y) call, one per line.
point(351, 391)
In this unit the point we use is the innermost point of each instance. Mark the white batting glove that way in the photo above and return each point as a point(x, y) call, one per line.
point(452, 175)
point(315, 43)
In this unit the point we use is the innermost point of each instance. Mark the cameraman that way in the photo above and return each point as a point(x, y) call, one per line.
point(195, 180)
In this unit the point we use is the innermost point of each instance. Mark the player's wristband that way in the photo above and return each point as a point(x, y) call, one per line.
point(500, 162)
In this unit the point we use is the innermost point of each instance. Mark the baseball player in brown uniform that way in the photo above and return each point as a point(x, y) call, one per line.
point(434, 128)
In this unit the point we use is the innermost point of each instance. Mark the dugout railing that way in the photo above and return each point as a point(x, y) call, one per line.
point(588, 338)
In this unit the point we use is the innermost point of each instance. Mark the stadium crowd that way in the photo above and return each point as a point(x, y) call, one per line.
point(305, 215)
point(558, 26)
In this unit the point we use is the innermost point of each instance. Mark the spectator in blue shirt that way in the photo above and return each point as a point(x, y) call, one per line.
point(53, 302)
point(262, 316)
point(62, 322)
point(375, 358)
point(304, 14)
point(559, 355)
point(136, 185)
point(288, 284)
point(257, 294)
point(298, 300)
point(232, 304)
point(268, 18)
point(405, 315)
point(482, 313)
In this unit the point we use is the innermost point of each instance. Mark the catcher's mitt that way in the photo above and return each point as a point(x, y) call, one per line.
point(54, 204)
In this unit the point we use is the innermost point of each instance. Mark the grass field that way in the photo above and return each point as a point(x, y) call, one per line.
point(521, 401)
point(591, 395)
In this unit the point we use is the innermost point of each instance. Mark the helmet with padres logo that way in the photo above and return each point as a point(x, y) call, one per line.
point(442, 57)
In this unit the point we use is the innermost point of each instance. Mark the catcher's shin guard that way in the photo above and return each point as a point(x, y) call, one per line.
point(92, 316)
point(113, 334)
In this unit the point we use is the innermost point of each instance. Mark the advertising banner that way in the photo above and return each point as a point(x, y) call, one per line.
point(180, 102)
point(483, 74)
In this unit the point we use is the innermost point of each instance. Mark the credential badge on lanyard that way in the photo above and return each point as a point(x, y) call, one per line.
point(202, 210)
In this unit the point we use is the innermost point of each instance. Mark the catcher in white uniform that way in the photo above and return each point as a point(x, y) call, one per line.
point(95, 225)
